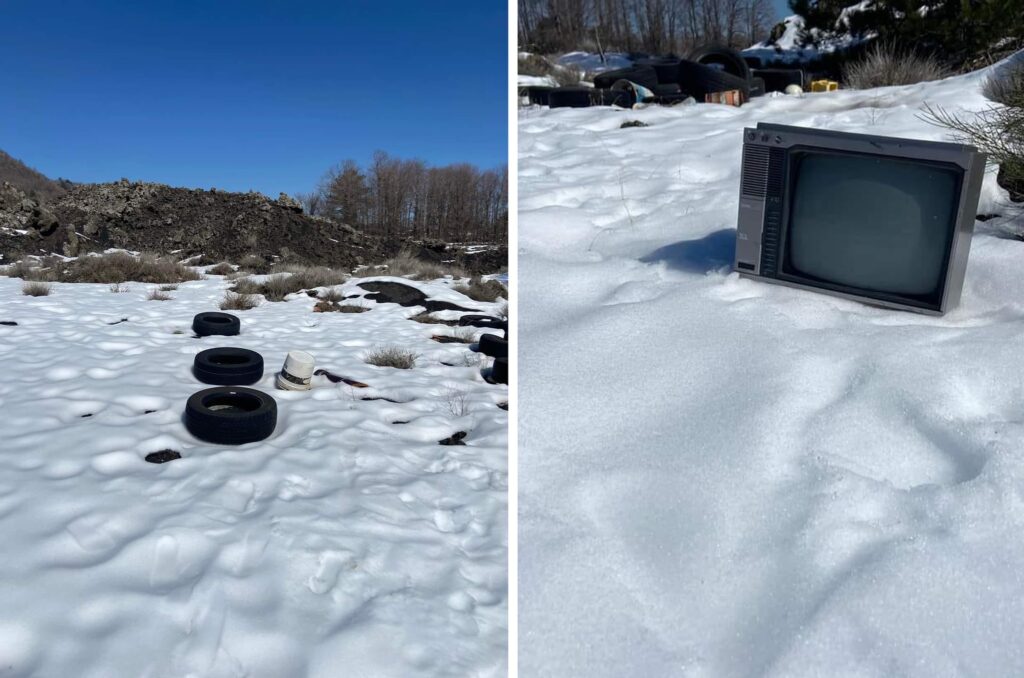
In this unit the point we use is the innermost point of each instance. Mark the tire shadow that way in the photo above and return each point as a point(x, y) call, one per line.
point(703, 255)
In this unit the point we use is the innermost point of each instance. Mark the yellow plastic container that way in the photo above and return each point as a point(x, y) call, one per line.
point(824, 85)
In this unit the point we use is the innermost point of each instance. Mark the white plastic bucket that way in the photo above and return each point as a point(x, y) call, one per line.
point(297, 372)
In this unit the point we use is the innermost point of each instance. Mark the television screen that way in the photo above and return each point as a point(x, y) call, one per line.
point(870, 223)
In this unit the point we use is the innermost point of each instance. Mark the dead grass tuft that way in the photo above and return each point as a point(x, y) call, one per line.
point(223, 268)
point(156, 295)
point(255, 263)
point(478, 289)
point(247, 286)
point(119, 267)
point(886, 64)
point(407, 265)
point(392, 356)
point(426, 318)
point(35, 288)
point(239, 302)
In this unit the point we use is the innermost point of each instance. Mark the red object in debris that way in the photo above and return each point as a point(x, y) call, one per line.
point(730, 97)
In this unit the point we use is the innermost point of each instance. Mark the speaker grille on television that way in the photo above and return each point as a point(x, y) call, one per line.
point(755, 171)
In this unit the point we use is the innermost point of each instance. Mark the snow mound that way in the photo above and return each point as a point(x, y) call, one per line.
point(797, 45)
point(347, 541)
point(720, 477)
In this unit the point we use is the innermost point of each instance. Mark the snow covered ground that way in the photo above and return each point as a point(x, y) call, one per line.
point(721, 477)
point(349, 543)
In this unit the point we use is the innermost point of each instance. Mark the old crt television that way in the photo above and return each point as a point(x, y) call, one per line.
point(880, 220)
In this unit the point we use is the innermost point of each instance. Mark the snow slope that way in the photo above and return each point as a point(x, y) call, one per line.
point(348, 543)
point(720, 477)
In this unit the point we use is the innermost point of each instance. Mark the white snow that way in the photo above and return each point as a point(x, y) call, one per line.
point(347, 543)
point(720, 477)
point(798, 46)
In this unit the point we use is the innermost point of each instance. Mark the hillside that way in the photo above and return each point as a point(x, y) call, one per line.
point(33, 183)
point(157, 218)
point(730, 478)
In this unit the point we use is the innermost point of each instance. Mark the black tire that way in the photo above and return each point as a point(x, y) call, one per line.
point(729, 59)
point(214, 322)
point(228, 366)
point(230, 415)
point(644, 76)
point(499, 372)
point(493, 345)
point(756, 87)
point(570, 97)
point(777, 79)
point(667, 90)
point(698, 80)
point(666, 70)
point(614, 97)
point(538, 94)
point(476, 320)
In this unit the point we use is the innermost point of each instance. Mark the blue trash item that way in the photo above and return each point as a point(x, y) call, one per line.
point(640, 93)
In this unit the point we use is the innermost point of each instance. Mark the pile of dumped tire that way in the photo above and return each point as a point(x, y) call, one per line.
point(232, 414)
point(229, 413)
point(669, 81)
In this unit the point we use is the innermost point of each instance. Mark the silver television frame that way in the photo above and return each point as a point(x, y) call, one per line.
point(765, 196)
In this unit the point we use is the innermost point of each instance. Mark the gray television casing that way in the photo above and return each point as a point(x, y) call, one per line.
point(764, 201)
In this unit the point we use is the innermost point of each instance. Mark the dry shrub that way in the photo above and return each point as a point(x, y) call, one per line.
point(462, 335)
point(156, 295)
point(428, 319)
point(239, 302)
point(199, 260)
point(535, 65)
point(332, 296)
point(168, 288)
point(478, 289)
point(255, 263)
point(391, 356)
point(247, 286)
point(1006, 85)
point(538, 66)
point(407, 265)
point(279, 286)
point(223, 268)
point(240, 273)
point(352, 308)
point(118, 267)
point(42, 269)
point(35, 288)
point(118, 288)
point(885, 64)
point(998, 131)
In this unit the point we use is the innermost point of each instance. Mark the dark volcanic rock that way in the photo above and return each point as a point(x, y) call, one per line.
point(157, 218)
point(454, 439)
point(405, 295)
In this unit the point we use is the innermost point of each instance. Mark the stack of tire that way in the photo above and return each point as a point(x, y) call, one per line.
point(671, 80)
point(491, 345)
point(229, 413)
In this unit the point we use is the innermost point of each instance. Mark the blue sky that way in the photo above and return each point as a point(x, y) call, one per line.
point(782, 9)
point(249, 94)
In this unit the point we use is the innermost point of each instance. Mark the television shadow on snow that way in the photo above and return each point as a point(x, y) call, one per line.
point(703, 255)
